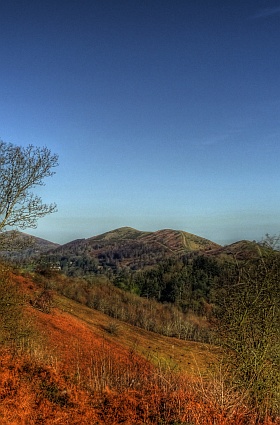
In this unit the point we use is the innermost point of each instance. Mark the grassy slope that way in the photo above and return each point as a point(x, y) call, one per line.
point(73, 327)
point(174, 240)
point(190, 357)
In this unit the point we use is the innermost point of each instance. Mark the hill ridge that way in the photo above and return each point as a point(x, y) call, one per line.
point(127, 248)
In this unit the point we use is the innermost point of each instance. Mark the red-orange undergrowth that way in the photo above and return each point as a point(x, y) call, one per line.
point(76, 377)
point(115, 391)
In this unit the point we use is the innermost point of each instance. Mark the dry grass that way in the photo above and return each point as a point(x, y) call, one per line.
point(76, 371)
point(187, 356)
point(119, 391)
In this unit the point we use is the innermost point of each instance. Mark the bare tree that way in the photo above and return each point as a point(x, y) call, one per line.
point(22, 169)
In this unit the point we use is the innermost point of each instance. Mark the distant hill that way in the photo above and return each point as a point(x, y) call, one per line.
point(241, 250)
point(167, 240)
point(128, 247)
point(18, 245)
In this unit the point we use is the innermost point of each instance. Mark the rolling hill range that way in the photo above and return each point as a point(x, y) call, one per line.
point(123, 248)
point(167, 240)
point(127, 247)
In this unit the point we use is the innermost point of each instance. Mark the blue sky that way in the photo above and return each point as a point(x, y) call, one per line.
point(164, 114)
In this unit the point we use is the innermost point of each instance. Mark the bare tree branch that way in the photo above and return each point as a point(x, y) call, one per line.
point(22, 169)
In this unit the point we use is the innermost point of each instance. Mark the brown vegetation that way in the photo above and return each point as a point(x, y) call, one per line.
point(81, 367)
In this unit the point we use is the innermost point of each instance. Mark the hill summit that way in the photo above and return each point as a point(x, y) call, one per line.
point(135, 249)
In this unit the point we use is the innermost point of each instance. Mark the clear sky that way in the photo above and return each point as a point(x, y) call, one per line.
point(164, 114)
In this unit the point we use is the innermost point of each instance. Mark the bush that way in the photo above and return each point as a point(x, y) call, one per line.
point(250, 331)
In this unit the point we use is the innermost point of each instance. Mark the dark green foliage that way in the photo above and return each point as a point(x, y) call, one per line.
point(185, 282)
